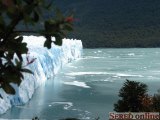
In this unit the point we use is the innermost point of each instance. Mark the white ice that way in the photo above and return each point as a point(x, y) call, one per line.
point(47, 64)
point(77, 83)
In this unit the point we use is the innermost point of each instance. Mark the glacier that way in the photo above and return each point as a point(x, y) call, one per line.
point(47, 63)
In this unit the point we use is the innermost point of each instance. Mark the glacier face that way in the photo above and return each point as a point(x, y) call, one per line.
point(46, 64)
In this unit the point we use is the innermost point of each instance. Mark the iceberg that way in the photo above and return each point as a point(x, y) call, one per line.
point(47, 63)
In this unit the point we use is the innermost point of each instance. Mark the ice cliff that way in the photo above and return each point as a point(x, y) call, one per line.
point(47, 64)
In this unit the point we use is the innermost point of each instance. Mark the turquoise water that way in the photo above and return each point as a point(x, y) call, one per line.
point(87, 88)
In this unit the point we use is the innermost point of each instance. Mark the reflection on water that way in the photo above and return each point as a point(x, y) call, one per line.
point(88, 87)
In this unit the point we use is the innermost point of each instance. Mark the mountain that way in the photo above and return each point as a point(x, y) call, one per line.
point(115, 23)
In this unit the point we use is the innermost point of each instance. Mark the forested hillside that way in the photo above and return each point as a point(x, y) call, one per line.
point(115, 23)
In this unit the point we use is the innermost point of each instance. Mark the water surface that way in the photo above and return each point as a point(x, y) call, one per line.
point(87, 88)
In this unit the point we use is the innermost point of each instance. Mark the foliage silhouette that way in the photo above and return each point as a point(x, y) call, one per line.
point(130, 95)
point(156, 102)
point(28, 13)
point(134, 98)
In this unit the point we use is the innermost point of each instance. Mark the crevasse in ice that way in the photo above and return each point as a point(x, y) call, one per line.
point(47, 64)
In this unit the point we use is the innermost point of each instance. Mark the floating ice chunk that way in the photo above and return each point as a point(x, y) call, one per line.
point(99, 51)
point(128, 75)
point(67, 105)
point(77, 83)
point(92, 57)
point(86, 73)
point(131, 54)
point(103, 73)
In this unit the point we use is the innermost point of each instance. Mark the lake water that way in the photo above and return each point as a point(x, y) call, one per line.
point(88, 88)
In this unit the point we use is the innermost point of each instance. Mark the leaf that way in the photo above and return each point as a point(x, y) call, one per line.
point(49, 5)
point(18, 63)
point(24, 48)
point(8, 88)
point(48, 42)
point(46, 25)
point(28, 1)
point(2, 23)
point(19, 39)
point(59, 16)
point(58, 40)
point(16, 60)
point(27, 71)
point(18, 2)
point(19, 56)
point(68, 27)
point(36, 17)
point(12, 12)
point(16, 78)
point(10, 55)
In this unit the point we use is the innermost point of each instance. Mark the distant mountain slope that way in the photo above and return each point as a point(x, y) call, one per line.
point(116, 23)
